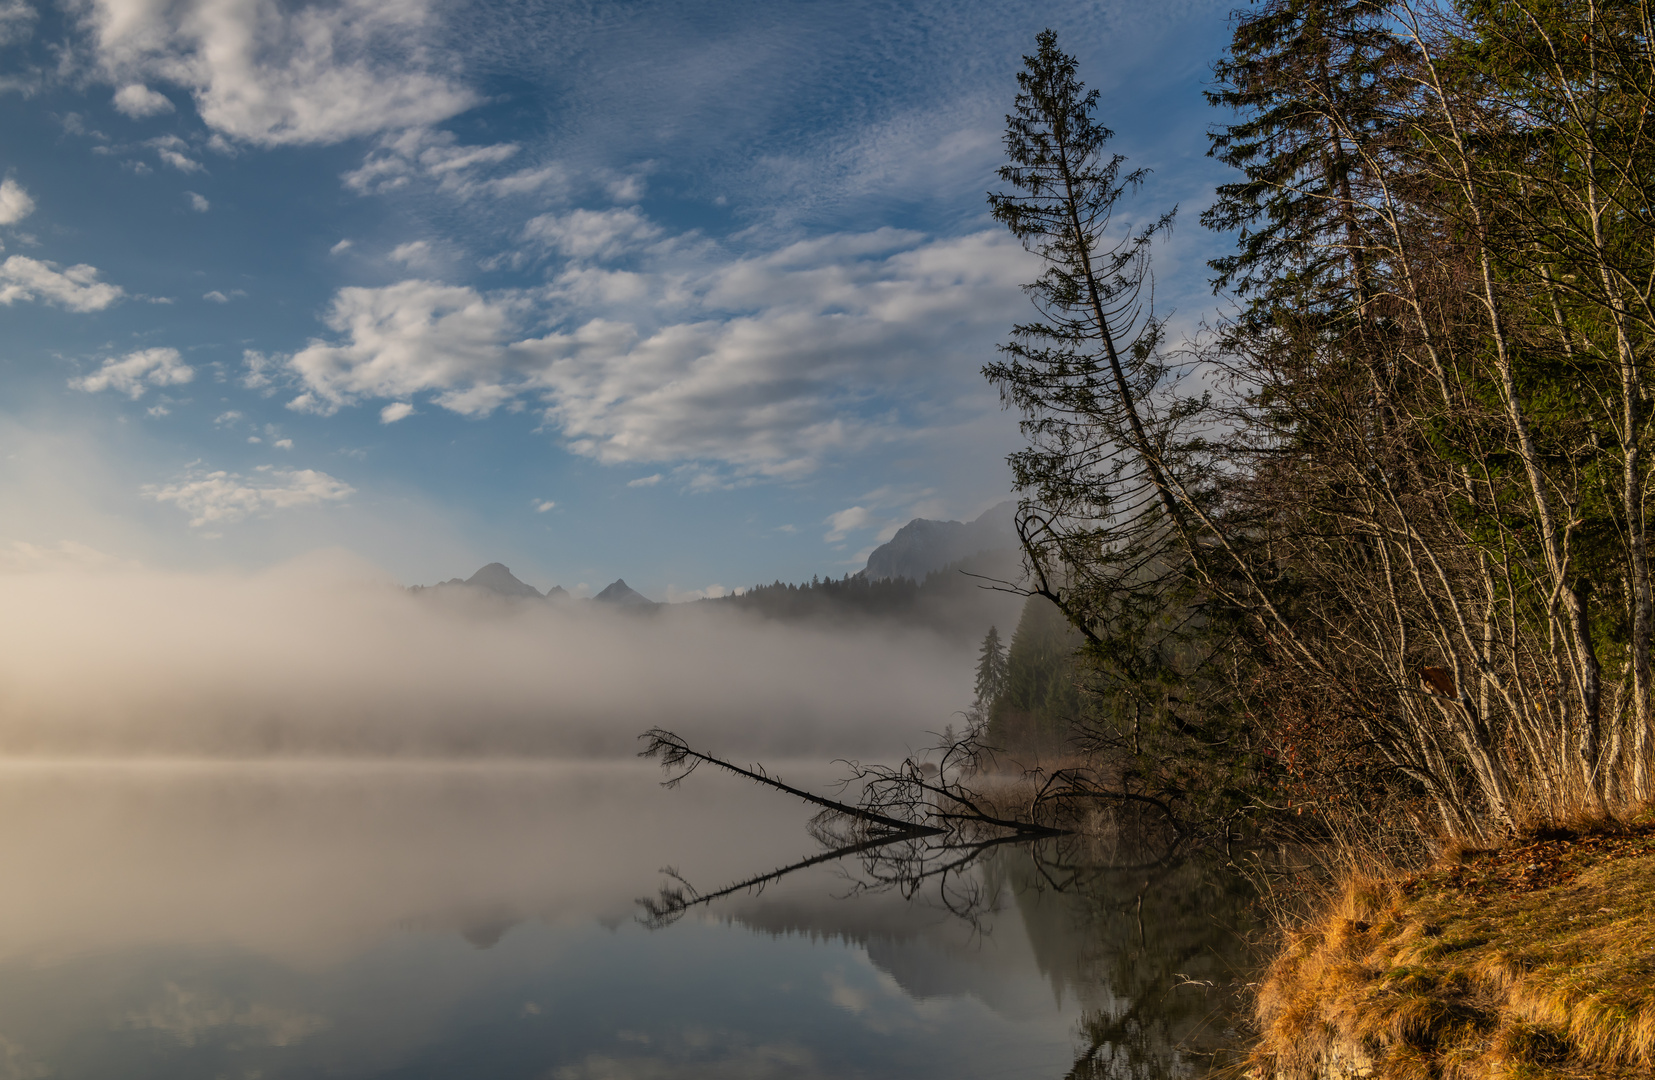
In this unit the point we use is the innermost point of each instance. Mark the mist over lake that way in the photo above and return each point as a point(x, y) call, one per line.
point(327, 656)
point(309, 820)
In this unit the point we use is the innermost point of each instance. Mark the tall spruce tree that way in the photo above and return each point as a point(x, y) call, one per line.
point(1102, 514)
point(1443, 242)
point(1308, 81)
point(991, 671)
point(1118, 493)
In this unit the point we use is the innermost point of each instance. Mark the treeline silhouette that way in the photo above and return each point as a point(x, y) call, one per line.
point(958, 600)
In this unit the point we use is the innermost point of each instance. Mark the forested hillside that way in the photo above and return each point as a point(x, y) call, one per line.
point(1038, 708)
point(960, 600)
point(1379, 540)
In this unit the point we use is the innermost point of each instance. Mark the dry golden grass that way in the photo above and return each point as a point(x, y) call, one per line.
point(1535, 962)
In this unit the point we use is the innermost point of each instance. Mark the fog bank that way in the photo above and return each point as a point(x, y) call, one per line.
point(327, 656)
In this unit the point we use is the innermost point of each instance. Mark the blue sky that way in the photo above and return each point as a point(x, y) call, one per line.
point(696, 295)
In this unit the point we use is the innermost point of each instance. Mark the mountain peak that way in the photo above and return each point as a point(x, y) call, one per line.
point(497, 579)
point(924, 545)
point(619, 592)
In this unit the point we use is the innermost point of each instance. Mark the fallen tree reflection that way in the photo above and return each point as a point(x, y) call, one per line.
point(1165, 933)
point(913, 825)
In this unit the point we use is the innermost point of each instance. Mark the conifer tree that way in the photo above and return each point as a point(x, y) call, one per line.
point(992, 671)
point(1115, 524)
point(1105, 503)
point(1308, 81)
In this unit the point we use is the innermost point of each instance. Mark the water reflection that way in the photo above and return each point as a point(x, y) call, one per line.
point(1154, 956)
point(355, 920)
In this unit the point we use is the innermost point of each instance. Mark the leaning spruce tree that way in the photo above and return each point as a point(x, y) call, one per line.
point(1085, 375)
point(1115, 496)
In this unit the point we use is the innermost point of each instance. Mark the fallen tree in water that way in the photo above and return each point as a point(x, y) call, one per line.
point(922, 798)
point(919, 822)
point(944, 832)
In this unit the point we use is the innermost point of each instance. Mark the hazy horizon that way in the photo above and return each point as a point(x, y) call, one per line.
point(329, 655)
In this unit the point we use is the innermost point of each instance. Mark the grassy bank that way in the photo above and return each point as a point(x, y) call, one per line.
point(1534, 961)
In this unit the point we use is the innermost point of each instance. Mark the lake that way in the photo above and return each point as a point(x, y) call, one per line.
point(250, 920)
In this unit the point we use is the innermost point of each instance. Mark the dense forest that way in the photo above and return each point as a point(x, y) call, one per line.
point(957, 600)
point(1374, 547)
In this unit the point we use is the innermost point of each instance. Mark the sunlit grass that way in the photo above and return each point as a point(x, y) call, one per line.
point(1533, 961)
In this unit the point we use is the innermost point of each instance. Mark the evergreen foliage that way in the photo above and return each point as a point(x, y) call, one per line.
point(852, 595)
point(992, 670)
point(952, 601)
point(1403, 561)
point(1041, 704)
point(1118, 489)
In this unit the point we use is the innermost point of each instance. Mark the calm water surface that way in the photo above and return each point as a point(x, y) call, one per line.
point(182, 920)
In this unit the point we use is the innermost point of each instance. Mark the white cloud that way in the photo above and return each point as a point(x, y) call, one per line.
point(283, 444)
point(543, 505)
point(198, 203)
point(756, 366)
point(259, 368)
point(405, 339)
point(645, 481)
point(216, 297)
point(275, 75)
point(769, 363)
point(626, 189)
point(220, 498)
point(523, 182)
point(593, 234)
point(16, 21)
point(136, 372)
point(15, 203)
point(76, 287)
point(138, 101)
point(340, 248)
point(170, 149)
point(414, 253)
point(437, 157)
point(845, 522)
point(397, 410)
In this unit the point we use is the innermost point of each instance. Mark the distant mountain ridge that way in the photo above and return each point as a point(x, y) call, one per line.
point(924, 545)
point(496, 579)
point(957, 600)
point(901, 580)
